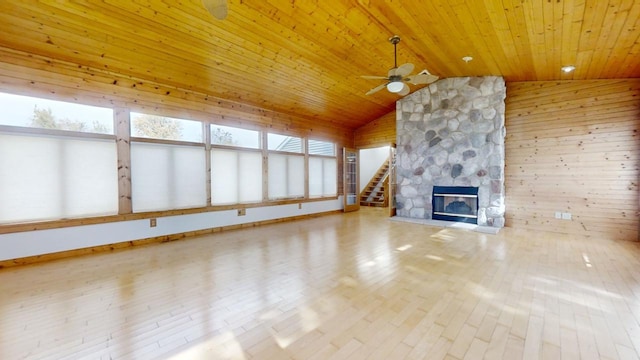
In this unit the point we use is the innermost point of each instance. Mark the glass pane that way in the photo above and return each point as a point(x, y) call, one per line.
point(47, 178)
point(165, 128)
point(33, 112)
point(350, 175)
point(286, 176)
point(317, 147)
point(284, 143)
point(165, 177)
point(231, 136)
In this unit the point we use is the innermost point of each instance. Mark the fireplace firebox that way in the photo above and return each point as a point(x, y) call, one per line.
point(455, 203)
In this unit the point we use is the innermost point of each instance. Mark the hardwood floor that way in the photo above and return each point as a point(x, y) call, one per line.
point(352, 286)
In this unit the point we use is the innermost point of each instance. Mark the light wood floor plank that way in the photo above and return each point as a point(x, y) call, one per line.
point(342, 286)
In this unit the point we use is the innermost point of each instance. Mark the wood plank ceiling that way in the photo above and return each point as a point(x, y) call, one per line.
point(305, 58)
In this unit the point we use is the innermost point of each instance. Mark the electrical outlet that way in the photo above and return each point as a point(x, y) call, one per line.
point(558, 215)
point(242, 212)
point(566, 216)
point(153, 222)
point(300, 206)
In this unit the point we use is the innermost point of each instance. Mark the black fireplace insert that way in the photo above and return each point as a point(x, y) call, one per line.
point(455, 203)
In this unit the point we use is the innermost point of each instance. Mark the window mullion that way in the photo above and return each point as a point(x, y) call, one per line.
point(206, 128)
point(123, 147)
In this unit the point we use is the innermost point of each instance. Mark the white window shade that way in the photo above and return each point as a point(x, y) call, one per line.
point(48, 177)
point(250, 177)
point(286, 176)
point(322, 177)
point(236, 176)
point(165, 177)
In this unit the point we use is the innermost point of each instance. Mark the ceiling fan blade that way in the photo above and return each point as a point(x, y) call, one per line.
point(376, 89)
point(404, 69)
point(373, 77)
point(405, 90)
point(217, 8)
point(422, 79)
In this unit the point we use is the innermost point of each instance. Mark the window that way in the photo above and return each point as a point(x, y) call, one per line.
point(56, 173)
point(59, 160)
point(236, 165)
point(167, 176)
point(323, 167)
point(286, 172)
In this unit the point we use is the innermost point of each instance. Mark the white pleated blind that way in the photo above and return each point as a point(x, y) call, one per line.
point(50, 177)
point(322, 177)
point(286, 176)
point(165, 177)
point(236, 176)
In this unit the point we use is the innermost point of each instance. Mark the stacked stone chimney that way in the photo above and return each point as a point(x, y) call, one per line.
point(451, 133)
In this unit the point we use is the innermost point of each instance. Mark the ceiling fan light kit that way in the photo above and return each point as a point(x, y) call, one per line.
point(398, 76)
point(395, 86)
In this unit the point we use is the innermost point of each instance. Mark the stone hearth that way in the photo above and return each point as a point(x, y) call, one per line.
point(451, 133)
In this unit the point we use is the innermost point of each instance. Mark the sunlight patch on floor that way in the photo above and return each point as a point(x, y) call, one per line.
point(223, 346)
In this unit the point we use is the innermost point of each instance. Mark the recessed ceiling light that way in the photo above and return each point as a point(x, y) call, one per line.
point(467, 59)
point(567, 69)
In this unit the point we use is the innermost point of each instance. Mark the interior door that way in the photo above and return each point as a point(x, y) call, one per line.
point(392, 180)
point(351, 179)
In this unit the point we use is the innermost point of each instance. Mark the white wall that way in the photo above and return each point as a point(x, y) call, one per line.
point(370, 162)
point(32, 243)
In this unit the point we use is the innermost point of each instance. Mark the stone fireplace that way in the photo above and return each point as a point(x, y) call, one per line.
point(451, 134)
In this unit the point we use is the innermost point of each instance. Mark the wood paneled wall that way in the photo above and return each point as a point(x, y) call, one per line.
point(379, 132)
point(573, 146)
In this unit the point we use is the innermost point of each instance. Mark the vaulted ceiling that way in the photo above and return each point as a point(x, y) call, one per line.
point(305, 58)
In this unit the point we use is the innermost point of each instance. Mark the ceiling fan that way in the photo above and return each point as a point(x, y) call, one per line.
point(398, 75)
point(217, 8)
